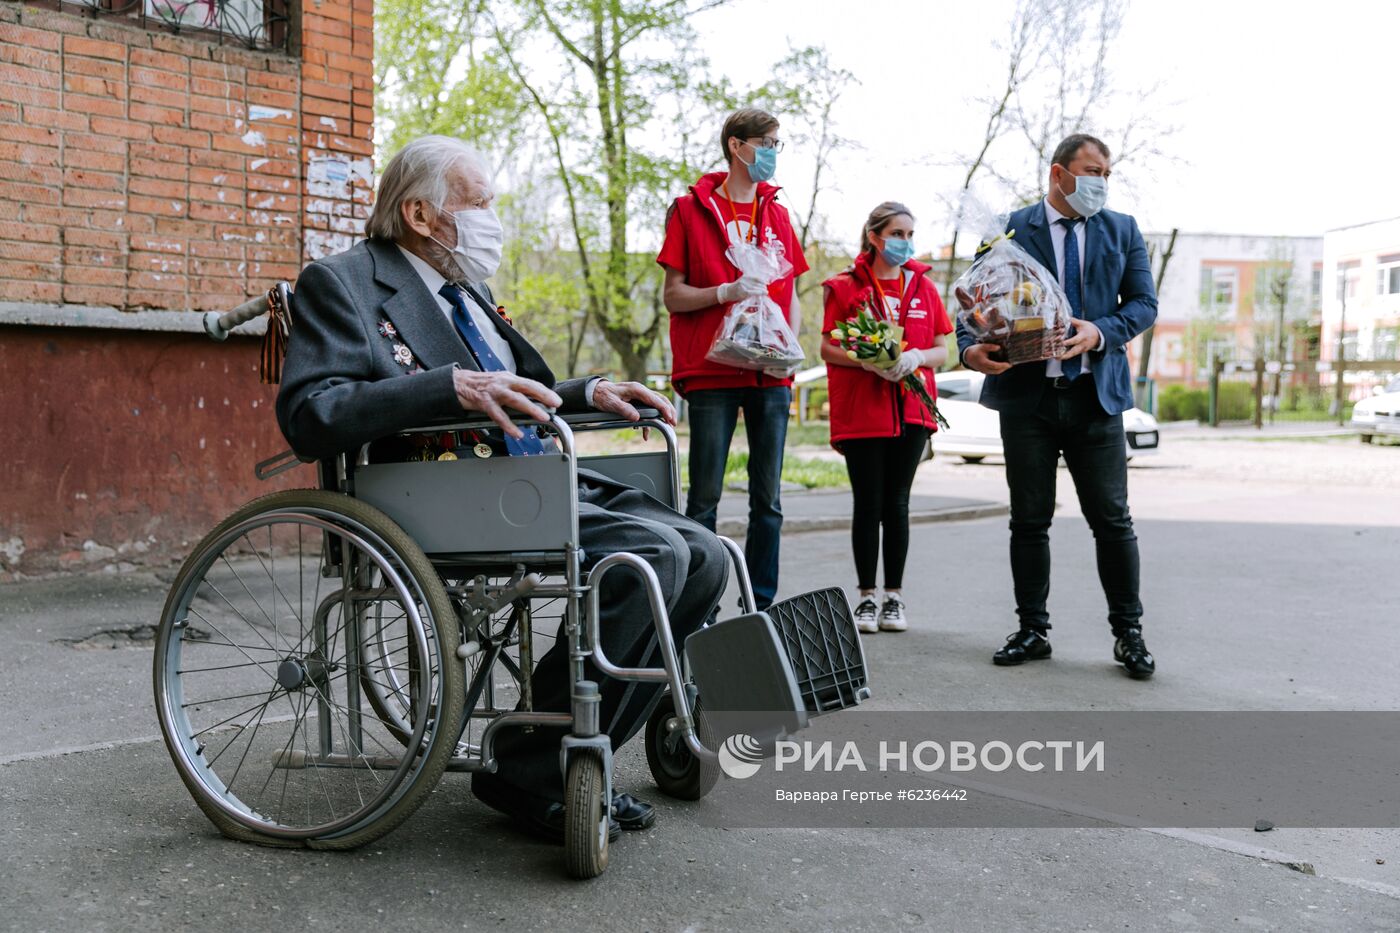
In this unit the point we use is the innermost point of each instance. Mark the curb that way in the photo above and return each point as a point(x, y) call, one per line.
point(735, 527)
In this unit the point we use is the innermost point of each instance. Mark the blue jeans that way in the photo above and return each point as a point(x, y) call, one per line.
point(713, 415)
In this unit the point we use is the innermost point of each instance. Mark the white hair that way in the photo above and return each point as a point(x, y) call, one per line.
point(418, 172)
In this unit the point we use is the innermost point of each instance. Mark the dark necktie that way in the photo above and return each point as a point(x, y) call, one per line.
point(1072, 283)
point(488, 361)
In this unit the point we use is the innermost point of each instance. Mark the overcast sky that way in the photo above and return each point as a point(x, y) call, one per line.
point(1288, 121)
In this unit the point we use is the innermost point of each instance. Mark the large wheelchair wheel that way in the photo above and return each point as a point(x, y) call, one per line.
point(677, 772)
point(301, 710)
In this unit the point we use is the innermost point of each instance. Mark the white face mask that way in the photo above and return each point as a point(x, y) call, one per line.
point(1089, 194)
point(479, 240)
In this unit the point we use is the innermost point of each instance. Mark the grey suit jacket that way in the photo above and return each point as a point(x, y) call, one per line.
point(371, 353)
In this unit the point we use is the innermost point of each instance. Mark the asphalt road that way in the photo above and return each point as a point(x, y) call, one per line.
point(1249, 607)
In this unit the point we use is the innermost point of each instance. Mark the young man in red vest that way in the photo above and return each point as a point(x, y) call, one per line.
point(724, 208)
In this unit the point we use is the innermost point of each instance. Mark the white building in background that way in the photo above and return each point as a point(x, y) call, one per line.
point(1221, 282)
point(1361, 282)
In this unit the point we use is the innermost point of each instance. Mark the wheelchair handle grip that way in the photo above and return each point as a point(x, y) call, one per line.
point(218, 325)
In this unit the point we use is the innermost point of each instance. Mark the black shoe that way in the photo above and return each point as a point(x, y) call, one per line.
point(1131, 652)
point(1025, 645)
point(632, 814)
point(534, 815)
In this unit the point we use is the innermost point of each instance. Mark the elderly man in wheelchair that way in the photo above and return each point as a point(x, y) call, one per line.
point(325, 655)
point(400, 331)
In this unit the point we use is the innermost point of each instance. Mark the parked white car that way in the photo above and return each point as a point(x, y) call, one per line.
point(1379, 414)
point(974, 432)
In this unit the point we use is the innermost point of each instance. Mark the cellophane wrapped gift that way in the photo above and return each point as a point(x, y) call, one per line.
point(1008, 299)
point(755, 333)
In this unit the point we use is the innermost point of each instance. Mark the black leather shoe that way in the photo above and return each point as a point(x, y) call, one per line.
point(632, 814)
point(536, 816)
point(1025, 645)
point(1131, 651)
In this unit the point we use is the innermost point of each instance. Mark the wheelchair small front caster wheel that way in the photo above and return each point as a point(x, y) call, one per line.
point(587, 813)
point(677, 772)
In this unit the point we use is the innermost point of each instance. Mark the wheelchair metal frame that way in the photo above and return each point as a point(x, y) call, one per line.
point(582, 609)
point(479, 585)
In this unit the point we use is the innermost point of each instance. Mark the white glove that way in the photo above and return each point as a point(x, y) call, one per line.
point(746, 286)
point(906, 364)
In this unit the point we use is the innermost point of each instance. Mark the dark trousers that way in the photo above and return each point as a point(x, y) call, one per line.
point(713, 414)
point(1073, 423)
point(692, 567)
point(881, 471)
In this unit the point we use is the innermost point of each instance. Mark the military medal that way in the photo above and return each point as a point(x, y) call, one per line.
point(482, 450)
point(447, 455)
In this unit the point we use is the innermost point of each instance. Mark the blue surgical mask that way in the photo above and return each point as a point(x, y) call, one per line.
point(897, 252)
point(1090, 193)
point(765, 163)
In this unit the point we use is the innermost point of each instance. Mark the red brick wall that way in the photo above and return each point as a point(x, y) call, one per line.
point(337, 100)
point(143, 442)
point(141, 169)
point(144, 169)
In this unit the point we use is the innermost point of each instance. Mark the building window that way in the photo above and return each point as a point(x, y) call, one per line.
point(1385, 343)
point(1348, 278)
point(1388, 274)
point(1218, 289)
point(1316, 284)
point(258, 24)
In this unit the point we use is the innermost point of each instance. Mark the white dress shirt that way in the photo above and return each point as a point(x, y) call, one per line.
point(1054, 367)
point(434, 280)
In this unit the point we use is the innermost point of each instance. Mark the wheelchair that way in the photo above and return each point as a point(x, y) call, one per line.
point(325, 655)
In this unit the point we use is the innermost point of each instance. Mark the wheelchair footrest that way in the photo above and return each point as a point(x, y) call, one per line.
point(739, 665)
point(820, 638)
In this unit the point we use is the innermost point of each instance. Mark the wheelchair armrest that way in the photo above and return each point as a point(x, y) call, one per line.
point(586, 419)
point(590, 418)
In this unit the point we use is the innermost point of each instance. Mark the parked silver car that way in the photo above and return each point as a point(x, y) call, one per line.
point(974, 432)
point(1379, 414)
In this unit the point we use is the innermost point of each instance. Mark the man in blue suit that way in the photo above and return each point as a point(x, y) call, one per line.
point(1073, 406)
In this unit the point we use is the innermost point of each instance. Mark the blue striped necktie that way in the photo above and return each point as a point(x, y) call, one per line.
point(1073, 288)
point(527, 446)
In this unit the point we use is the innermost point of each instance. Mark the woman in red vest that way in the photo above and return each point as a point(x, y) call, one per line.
point(880, 428)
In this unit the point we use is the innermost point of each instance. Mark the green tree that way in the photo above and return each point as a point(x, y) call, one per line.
point(619, 79)
point(435, 74)
point(598, 112)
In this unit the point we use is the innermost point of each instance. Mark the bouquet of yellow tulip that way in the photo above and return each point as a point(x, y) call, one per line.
point(868, 339)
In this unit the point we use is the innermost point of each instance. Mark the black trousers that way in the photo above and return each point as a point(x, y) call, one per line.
point(1070, 422)
point(881, 471)
point(692, 567)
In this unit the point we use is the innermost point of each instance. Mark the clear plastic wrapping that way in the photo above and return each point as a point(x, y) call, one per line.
point(755, 333)
point(1007, 298)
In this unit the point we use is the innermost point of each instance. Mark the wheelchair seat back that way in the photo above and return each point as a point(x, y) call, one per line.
point(478, 508)
point(649, 471)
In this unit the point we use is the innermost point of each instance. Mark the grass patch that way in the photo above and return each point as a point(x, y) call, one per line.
point(811, 434)
point(1320, 415)
point(807, 472)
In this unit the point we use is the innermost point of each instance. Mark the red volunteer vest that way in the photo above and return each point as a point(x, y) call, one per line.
point(862, 403)
point(702, 259)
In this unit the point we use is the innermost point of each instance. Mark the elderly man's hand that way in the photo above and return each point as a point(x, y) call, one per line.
point(617, 397)
point(492, 393)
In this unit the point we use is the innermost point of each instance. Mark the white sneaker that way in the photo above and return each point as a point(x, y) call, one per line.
point(892, 614)
point(865, 616)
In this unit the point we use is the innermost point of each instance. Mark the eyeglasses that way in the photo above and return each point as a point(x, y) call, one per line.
point(766, 142)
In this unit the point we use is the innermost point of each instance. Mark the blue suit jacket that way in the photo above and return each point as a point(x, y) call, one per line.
point(1118, 297)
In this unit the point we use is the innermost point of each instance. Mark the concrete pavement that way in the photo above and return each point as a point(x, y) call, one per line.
point(1262, 608)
